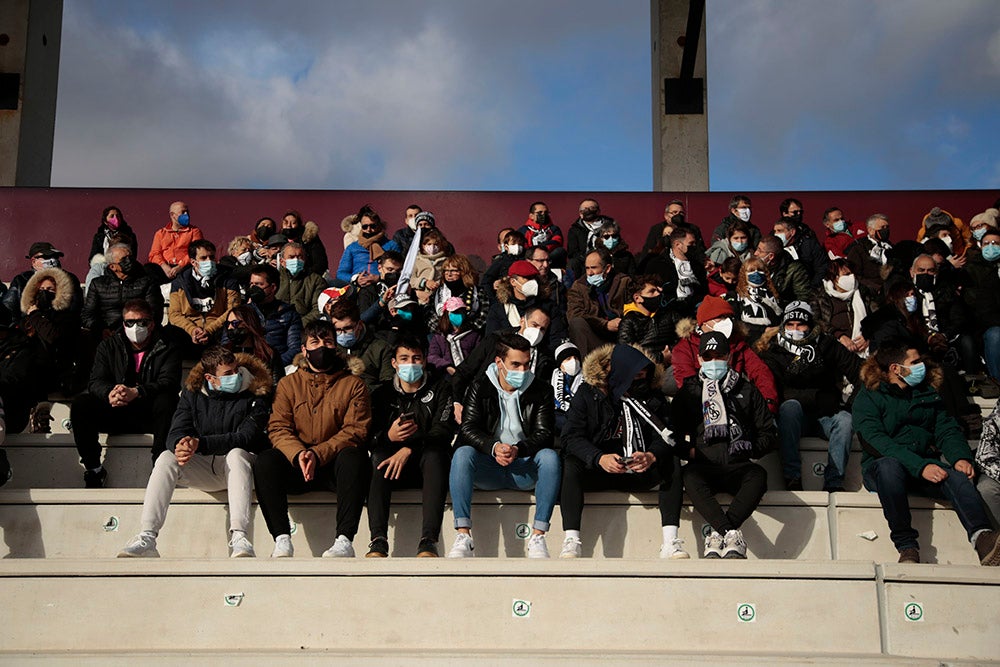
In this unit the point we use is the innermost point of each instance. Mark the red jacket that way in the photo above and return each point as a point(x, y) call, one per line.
point(836, 244)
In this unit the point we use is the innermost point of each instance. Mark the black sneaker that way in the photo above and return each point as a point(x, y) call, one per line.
point(95, 480)
point(5, 471)
point(427, 548)
point(379, 548)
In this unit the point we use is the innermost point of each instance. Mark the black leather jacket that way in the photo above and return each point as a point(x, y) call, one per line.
point(481, 415)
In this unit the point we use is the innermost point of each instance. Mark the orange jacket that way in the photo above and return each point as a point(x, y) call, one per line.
point(171, 246)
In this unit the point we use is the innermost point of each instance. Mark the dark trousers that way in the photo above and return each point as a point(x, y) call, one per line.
point(428, 471)
point(92, 416)
point(275, 478)
point(745, 482)
point(892, 482)
point(577, 479)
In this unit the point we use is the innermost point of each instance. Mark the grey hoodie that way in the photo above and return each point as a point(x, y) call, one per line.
point(509, 428)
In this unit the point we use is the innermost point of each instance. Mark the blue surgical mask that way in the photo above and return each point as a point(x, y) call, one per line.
point(757, 278)
point(515, 378)
point(840, 227)
point(294, 266)
point(917, 374)
point(410, 372)
point(184, 219)
point(206, 268)
point(611, 243)
point(596, 280)
point(739, 246)
point(405, 315)
point(456, 319)
point(347, 339)
point(911, 303)
point(230, 384)
point(715, 369)
point(979, 233)
point(991, 253)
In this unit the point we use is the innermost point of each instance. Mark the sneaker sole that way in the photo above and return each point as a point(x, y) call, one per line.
point(677, 556)
point(428, 554)
point(992, 558)
point(243, 554)
point(539, 556)
point(735, 556)
point(713, 556)
point(281, 555)
point(569, 556)
point(376, 554)
point(148, 554)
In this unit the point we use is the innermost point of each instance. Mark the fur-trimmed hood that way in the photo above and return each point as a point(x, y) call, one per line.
point(64, 289)
point(872, 376)
point(257, 379)
point(686, 327)
point(597, 367)
point(310, 232)
point(350, 224)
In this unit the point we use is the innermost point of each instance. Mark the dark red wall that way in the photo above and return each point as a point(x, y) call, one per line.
point(68, 217)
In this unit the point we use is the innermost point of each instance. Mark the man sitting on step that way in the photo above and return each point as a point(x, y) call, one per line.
point(213, 440)
point(905, 433)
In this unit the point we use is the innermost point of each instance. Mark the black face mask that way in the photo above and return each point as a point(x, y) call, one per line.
point(391, 278)
point(883, 235)
point(126, 264)
point(292, 232)
point(455, 286)
point(264, 232)
point(238, 335)
point(652, 304)
point(924, 282)
point(370, 235)
point(256, 295)
point(794, 217)
point(639, 389)
point(590, 215)
point(678, 219)
point(322, 358)
point(542, 218)
point(44, 299)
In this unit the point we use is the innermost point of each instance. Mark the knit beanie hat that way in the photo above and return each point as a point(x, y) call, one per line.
point(567, 350)
point(713, 307)
point(937, 219)
point(798, 311)
point(989, 217)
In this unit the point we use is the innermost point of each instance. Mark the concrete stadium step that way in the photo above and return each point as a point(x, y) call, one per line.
point(51, 461)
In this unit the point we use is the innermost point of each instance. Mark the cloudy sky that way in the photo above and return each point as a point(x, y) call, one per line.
point(520, 95)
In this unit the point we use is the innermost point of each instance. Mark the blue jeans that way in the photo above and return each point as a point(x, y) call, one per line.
point(838, 429)
point(891, 481)
point(991, 351)
point(471, 469)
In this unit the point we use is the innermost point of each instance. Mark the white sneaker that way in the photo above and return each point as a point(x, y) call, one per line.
point(735, 546)
point(341, 548)
point(140, 546)
point(537, 547)
point(463, 546)
point(283, 547)
point(713, 545)
point(241, 547)
point(674, 550)
point(572, 548)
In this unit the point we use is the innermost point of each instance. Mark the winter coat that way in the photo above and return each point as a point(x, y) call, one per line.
point(325, 412)
point(655, 238)
point(370, 358)
point(623, 261)
point(837, 245)
point(357, 259)
point(721, 251)
point(26, 367)
point(988, 452)
point(223, 422)
point(316, 259)
point(580, 241)
point(582, 300)
point(812, 256)
point(868, 271)
point(663, 266)
point(159, 372)
point(193, 306)
point(484, 353)
point(549, 237)
point(481, 416)
point(302, 291)
point(403, 238)
point(594, 416)
point(282, 329)
point(741, 359)
point(836, 316)
point(439, 353)
point(506, 310)
point(722, 231)
point(102, 309)
point(59, 325)
point(651, 333)
point(983, 294)
point(125, 231)
point(791, 279)
point(744, 401)
point(13, 297)
point(171, 245)
point(431, 407)
point(909, 424)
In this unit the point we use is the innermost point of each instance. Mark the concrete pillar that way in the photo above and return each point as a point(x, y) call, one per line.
point(30, 35)
point(680, 126)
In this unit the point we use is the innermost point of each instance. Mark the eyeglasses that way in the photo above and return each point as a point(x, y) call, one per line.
point(369, 228)
point(609, 236)
point(142, 322)
point(459, 271)
point(233, 324)
point(541, 261)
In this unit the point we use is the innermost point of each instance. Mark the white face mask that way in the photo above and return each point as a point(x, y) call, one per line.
point(947, 241)
point(744, 214)
point(794, 334)
point(530, 288)
point(430, 249)
point(137, 334)
point(411, 223)
point(847, 283)
point(533, 335)
point(571, 366)
point(514, 249)
point(725, 327)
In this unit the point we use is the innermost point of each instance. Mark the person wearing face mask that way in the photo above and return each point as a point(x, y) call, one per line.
point(404, 236)
point(368, 355)
point(411, 447)
point(838, 239)
point(757, 303)
point(244, 334)
point(981, 224)
point(616, 437)
point(201, 297)
point(673, 218)
point(804, 248)
point(721, 424)
point(373, 299)
point(870, 253)
point(934, 224)
point(132, 388)
point(506, 442)
point(735, 244)
point(514, 294)
point(566, 381)
point(282, 323)
point(213, 441)
point(684, 279)
point(842, 306)
point(982, 296)
point(583, 235)
point(239, 260)
point(110, 229)
point(945, 313)
point(168, 254)
point(739, 210)
point(647, 323)
point(905, 432)
point(722, 281)
point(26, 366)
point(810, 369)
point(454, 338)
point(306, 233)
point(426, 276)
point(512, 250)
point(43, 255)
point(610, 236)
point(263, 230)
point(320, 423)
point(296, 285)
point(49, 295)
point(596, 301)
point(358, 265)
point(124, 279)
point(540, 232)
point(716, 314)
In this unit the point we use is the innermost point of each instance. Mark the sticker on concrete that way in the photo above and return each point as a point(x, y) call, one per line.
point(234, 600)
point(869, 535)
point(747, 612)
point(819, 469)
point(111, 525)
point(914, 612)
point(293, 527)
point(520, 609)
point(706, 530)
point(523, 531)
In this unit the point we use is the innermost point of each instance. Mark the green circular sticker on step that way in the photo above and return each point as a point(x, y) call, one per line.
point(706, 530)
point(523, 531)
point(746, 612)
point(111, 525)
point(914, 612)
point(520, 609)
point(292, 526)
point(819, 469)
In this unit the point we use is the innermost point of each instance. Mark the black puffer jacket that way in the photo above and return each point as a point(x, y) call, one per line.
point(431, 406)
point(108, 293)
point(160, 370)
point(651, 333)
point(124, 231)
point(223, 422)
point(481, 416)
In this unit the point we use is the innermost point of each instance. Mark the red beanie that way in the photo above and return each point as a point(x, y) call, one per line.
point(522, 268)
point(713, 307)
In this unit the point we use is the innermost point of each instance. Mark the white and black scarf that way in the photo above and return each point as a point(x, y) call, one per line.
point(879, 250)
point(759, 307)
point(858, 309)
point(685, 277)
point(455, 345)
point(722, 423)
point(929, 311)
point(565, 392)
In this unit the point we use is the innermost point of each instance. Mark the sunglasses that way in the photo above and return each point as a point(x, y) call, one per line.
point(142, 322)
